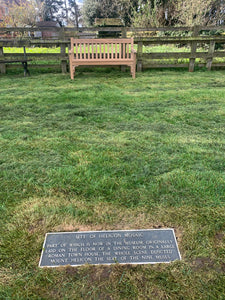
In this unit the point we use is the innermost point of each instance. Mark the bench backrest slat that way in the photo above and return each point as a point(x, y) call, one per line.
point(128, 54)
point(111, 50)
point(120, 51)
point(80, 52)
point(100, 50)
point(88, 53)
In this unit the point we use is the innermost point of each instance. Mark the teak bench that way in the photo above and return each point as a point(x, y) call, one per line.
point(92, 52)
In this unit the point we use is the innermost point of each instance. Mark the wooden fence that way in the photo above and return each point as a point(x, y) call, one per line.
point(193, 38)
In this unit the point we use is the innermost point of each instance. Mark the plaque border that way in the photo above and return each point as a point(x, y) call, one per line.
point(99, 231)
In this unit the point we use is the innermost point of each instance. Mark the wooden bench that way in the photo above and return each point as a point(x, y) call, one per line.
point(23, 60)
point(93, 52)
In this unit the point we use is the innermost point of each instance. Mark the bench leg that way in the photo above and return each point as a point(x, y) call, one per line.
point(2, 68)
point(26, 71)
point(72, 72)
point(133, 70)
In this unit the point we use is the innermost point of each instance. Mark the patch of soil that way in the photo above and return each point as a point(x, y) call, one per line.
point(223, 268)
point(36, 226)
point(178, 234)
point(219, 236)
point(100, 274)
point(71, 271)
point(77, 227)
point(203, 263)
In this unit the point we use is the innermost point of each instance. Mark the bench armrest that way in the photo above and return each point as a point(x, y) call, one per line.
point(133, 51)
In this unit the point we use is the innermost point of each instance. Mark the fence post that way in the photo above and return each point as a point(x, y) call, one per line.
point(2, 66)
point(123, 35)
point(63, 58)
point(63, 51)
point(193, 49)
point(139, 56)
point(210, 55)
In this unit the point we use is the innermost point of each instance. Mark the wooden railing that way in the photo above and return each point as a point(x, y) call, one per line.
point(59, 37)
point(144, 60)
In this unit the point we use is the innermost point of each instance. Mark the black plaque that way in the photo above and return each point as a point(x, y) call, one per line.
point(107, 247)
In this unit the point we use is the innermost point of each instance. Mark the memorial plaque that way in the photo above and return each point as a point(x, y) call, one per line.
point(107, 247)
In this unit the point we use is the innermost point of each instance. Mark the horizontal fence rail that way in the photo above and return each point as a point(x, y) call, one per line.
point(59, 37)
point(118, 29)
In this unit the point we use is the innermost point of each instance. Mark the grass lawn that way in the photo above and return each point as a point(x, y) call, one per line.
point(107, 152)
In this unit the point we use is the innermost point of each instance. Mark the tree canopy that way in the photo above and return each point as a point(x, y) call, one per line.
point(23, 13)
point(137, 13)
point(144, 13)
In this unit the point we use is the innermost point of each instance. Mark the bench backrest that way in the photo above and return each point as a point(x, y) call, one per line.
point(102, 49)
